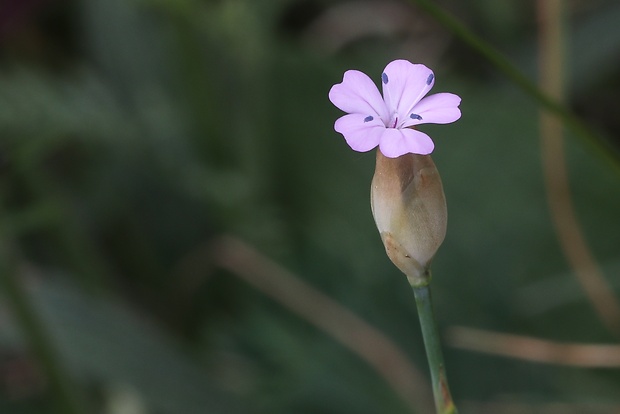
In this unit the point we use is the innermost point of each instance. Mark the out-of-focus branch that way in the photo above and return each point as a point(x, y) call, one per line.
point(358, 336)
point(599, 145)
point(534, 349)
point(63, 389)
point(563, 214)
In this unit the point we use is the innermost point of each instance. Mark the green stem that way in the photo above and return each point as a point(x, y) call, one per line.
point(62, 390)
point(67, 235)
point(432, 343)
point(600, 146)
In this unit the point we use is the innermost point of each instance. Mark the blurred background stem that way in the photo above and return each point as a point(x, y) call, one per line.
point(367, 342)
point(549, 102)
point(563, 216)
point(61, 387)
point(67, 232)
point(432, 343)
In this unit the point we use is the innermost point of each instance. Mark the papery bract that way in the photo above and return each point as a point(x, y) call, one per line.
point(409, 208)
point(388, 121)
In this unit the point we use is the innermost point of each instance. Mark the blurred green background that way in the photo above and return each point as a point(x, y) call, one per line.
point(134, 134)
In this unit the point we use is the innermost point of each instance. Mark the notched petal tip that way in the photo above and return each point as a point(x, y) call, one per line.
point(397, 142)
point(440, 108)
point(408, 84)
point(361, 133)
point(357, 94)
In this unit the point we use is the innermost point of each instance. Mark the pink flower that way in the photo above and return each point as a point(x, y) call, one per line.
point(389, 121)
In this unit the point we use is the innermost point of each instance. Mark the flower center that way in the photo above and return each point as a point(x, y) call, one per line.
point(393, 120)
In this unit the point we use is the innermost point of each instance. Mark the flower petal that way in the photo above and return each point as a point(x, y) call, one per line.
point(397, 142)
point(404, 84)
point(357, 94)
point(361, 132)
point(441, 108)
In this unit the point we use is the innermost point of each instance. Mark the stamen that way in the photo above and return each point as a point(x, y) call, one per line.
point(429, 79)
point(395, 123)
point(384, 78)
point(368, 118)
point(415, 116)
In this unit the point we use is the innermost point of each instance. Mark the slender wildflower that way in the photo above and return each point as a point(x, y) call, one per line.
point(407, 198)
point(389, 121)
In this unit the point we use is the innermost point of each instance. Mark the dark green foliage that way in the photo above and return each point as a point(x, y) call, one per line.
point(134, 133)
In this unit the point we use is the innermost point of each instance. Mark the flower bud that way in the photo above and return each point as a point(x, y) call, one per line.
point(409, 208)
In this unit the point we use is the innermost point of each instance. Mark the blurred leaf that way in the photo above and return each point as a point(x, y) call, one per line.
point(105, 342)
point(179, 120)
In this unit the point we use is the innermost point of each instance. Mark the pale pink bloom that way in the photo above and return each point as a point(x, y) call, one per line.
point(389, 121)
